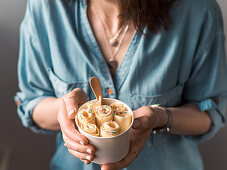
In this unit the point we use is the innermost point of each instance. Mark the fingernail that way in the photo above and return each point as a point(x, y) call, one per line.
point(136, 124)
point(89, 151)
point(71, 111)
point(81, 143)
point(88, 158)
point(87, 162)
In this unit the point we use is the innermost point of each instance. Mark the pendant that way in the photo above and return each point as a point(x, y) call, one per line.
point(112, 65)
point(113, 42)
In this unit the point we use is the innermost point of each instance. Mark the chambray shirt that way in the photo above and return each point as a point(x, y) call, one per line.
point(187, 64)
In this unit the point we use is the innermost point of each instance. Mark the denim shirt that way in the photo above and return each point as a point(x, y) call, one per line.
point(186, 64)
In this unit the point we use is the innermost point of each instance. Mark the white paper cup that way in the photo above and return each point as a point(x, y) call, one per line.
point(109, 149)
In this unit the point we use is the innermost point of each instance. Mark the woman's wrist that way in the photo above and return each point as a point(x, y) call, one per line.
point(161, 116)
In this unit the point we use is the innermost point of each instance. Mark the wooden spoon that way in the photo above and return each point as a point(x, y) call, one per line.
point(96, 87)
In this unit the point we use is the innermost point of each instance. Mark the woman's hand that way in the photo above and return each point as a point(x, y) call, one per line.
point(76, 143)
point(145, 120)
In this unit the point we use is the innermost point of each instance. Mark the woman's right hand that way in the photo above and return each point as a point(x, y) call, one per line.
point(76, 143)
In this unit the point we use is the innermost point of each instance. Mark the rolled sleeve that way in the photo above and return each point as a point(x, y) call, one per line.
point(216, 109)
point(33, 63)
point(25, 109)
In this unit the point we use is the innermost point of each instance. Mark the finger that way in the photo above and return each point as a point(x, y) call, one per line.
point(122, 164)
point(73, 100)
point(127, 160)
point(86, 161)
point(81, 96)
point(71, 103)
point(81, 156)
point(68, 126)
point(88, 149)
point(109, 167)
point(142, 123)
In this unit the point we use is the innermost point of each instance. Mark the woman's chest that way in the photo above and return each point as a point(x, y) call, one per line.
point(146, 76)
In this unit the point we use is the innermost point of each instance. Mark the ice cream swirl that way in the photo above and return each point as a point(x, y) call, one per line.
point(118, 107)
point(103, 114)
point(91, 129)
point(86, 116)
point(91, 105)
point(121, 116)
point(124, 119)
point(110, 128)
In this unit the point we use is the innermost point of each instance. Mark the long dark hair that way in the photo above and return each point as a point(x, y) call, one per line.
point(154, 14)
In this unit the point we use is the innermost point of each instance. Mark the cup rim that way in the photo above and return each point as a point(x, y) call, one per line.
point(99, 137)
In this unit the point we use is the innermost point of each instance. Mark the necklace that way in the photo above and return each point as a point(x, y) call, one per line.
point(113, 40)
point(114, 43)
point(112, 63)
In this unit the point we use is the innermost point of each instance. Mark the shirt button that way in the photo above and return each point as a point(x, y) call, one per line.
point(110, 91)
point(215, 100)
point(17, 102)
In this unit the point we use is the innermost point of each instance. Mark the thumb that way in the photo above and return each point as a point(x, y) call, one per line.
point(142, 123)
point(71, 106)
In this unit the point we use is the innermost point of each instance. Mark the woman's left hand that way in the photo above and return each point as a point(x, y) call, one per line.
point(145, 121)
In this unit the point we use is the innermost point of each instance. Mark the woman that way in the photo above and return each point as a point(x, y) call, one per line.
point(144, 52)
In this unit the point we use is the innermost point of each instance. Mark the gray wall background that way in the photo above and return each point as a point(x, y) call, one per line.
point(20, 149)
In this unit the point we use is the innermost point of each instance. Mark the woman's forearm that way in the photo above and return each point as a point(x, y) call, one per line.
point(45, 113)
point(189, 120)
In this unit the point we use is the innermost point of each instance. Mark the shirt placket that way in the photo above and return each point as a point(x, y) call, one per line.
point(110, 86)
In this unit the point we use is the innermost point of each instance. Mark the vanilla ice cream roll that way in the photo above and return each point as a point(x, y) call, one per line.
point(103, 114)
point(93, 104)
point(124, 119)
point(91, 129)
point(111, 128)
point(118, 107)
point(85, 116)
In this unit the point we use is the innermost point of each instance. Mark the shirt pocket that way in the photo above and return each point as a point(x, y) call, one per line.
point(61, 87)
point(172, 97)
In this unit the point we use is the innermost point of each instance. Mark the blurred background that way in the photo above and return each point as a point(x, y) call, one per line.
point(21, 149)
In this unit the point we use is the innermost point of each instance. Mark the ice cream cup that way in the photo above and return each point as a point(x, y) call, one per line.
point(109, 149)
